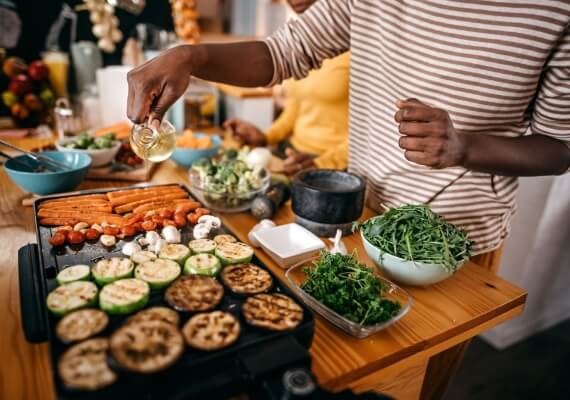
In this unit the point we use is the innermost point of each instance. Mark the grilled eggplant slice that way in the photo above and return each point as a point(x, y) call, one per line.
point(124, 296)
point(246, 279)
point(73, 273)
point(175, 252)
point(147, 346)
point(142, 256)
point(211, 331)
point(193, 293)
point(224, 238)
point(73, 296)
point(81, 324)
point(159, 273)
point(84, 366)
point(202, 264)
point(200, 246)
point(112, 269)
point(234, 253)
point(276, 312)
point(156, 314)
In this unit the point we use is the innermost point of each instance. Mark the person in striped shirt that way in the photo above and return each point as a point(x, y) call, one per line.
point(450, 101)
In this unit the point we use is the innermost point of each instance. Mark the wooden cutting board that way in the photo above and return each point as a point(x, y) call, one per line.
point(140, 174)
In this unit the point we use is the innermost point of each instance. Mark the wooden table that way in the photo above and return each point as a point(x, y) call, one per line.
point(443, 316)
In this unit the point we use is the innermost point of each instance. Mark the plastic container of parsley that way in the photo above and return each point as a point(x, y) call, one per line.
point(348, 294)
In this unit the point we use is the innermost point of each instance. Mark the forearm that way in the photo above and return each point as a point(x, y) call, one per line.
point(532, 155)
point(247, 64)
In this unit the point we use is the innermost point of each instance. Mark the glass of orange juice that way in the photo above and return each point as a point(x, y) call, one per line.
point(58, 65)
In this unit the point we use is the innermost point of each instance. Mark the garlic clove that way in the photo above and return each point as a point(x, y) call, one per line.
point(130, 248)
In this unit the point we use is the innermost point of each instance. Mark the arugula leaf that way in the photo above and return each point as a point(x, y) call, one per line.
point(416, 233)
point(349, 288)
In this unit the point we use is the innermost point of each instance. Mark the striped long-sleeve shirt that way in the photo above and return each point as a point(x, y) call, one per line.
point(498, 67)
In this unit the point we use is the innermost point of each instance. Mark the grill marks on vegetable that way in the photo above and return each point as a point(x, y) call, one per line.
point(211, 331)
point(246, 279)
point(81, 324)
point(147, 346)
point(194, 293)
point(272, 311)
point(84, 365)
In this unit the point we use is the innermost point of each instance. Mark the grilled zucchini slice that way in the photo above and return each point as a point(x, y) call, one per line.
point(112, 269)
point(200, 246)
point(234, 253)
point(159, 273)
point(224, 238)
point(73, 273)
point(73, 296)
point(203, 264)
point(142, 256)
point(175, 252)
point(124, 296)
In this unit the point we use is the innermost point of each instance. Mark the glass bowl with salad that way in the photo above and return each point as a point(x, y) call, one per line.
point(348, 293)
point(101, 149)
point(227, 183)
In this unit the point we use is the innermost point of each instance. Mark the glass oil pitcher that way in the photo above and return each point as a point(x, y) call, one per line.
point(153, 144)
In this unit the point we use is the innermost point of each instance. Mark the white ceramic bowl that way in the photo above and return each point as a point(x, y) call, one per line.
point(99, 157)
point(406, 272)
point(288, 244)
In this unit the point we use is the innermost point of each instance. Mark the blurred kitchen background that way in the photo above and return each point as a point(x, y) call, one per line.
point(88, 47)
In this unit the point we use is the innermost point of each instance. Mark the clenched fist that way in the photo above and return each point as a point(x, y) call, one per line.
point(428, 135)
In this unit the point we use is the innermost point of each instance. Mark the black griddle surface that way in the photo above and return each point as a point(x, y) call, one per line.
point(195, 368)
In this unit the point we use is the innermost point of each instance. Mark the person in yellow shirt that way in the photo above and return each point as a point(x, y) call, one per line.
point(313, 127)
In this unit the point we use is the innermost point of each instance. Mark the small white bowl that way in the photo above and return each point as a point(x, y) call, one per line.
point(406, 272)
point(99, 157)
point(288, 244)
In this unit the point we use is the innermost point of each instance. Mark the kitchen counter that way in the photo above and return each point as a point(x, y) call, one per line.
point(442, 319)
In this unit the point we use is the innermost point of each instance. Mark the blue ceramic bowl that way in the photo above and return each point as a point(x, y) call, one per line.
point(185, 157)
point(49, 182)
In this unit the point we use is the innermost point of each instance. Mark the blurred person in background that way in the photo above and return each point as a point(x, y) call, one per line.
point(312, 130)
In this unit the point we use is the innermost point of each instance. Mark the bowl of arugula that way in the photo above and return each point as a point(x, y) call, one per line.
point(415, 246)
point(348, 293)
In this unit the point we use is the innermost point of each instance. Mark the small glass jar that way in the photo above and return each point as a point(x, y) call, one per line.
point(153, 144)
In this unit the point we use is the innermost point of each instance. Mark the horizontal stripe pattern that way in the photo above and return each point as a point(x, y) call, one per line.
point(498, 67)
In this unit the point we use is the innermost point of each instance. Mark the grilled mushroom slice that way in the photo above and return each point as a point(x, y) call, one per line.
point(81, 324)
point(246, 279)
point(84, 366)
point(276, 312)
point(211, 331)
point(194, 293)
point(147, 346)
point(156, 314)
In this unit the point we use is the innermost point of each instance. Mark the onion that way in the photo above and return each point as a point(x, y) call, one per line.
point(259, 157)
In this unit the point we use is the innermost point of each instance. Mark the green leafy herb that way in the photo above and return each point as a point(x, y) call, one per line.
point(349, 288)
point(416, 233)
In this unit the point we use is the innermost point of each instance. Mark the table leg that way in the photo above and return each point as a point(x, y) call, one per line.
point(440, 371)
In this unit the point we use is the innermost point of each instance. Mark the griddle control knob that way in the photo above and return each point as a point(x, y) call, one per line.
point(299, 382)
